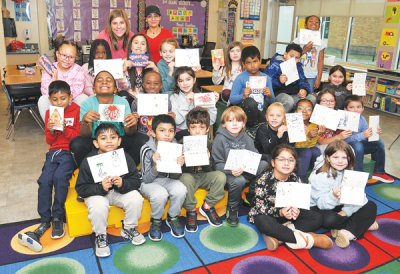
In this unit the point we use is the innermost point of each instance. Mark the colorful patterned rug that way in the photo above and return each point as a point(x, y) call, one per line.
point(212, 250)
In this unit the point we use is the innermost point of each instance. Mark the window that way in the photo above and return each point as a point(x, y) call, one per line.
point(334, 33)
point(285, 25)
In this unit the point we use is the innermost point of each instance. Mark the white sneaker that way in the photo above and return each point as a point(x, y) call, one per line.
point(101, 247)
point(133, 235)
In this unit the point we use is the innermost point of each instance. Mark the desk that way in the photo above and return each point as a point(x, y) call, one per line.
point(213, 88)
point(204, 74)
point(23, 79)
point(11, 70)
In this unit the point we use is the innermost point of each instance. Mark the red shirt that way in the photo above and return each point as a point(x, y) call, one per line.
point(154, 43)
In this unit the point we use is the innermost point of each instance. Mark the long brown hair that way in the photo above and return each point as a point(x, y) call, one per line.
point(181, 70)
point(114, 42)
point(332, 149)
point(228, 61)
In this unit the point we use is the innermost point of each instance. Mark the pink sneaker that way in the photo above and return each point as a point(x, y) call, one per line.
point(383, 178)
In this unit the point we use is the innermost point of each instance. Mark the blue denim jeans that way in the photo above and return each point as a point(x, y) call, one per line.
point(377, 151)
point(307, 158)
point(311, 82)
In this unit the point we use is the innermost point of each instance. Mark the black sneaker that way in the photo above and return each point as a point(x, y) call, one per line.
point(176, 229)
point(58, 228)
point(80, 199)
point(248, 199)
point(232, 218)
point(32, 239)
point(191, 221)
point(211, 215)
point(101, 246)
point(155, 233)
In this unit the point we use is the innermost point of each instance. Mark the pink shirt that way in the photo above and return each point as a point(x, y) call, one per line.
point(89, 80)
point(74, 77)
point(120, 53)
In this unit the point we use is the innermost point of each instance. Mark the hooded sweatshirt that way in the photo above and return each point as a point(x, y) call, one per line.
point(167, 80)
point(224, 142)
point(267, 139)
point(322, 188)
point(149, 174)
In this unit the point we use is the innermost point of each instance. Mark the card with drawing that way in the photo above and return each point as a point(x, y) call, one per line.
point(60, 26)
point(325, 116)
point(128, 12)
point(112, 113)
point(307, 35)
point(59, 14)
point(349, 120)
point(293, 194)
point(359, 84)
point(95, 13)
point(113, 4)
point(59, 3)
point(128, 4)
point(77, 25)
point(194, 143)
point(169, 153)
point(295, 126)
point(95, 3)
point(111, 163)
point(195, 148)
point(374, 123)
point(152, 104)
point(289, 68)
point(77, 36)
point(76, 3)
point(139, 60)
point(217, 57)
point(113, 66)
point(353, 187)
point(187, 57)
point(257, 82)
point(246, 159)
point(94, 34)
point(56, 115)
point(95, 24)
point(46, 64)
point(76, 13)
point(205, 100)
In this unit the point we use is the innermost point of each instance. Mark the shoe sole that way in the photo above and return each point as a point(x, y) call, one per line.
point(123, 235)
point(209, 221)
point(191, 231)
point(154, 239)
point(382, 180)
point(334, 232)
point(270, 243)
point(102, 256)
point(142, 242)
point(375, 226)
point(58, 237)
point(30, 243)
point(232, 225)
point(172, 231)
point(341, 240)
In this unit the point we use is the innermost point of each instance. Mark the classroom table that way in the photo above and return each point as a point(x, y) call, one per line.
point(212, 88)
point(204, 74)
point(11, 70)
point(23, 79)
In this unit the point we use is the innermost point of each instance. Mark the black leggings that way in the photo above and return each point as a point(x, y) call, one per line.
point(357, 223)
point(272, 226)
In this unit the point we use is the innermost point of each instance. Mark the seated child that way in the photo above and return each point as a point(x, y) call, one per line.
point(157, 187)
point(152, 84)
point(338, 83)
point(290, 94)
point(241, 92)
point(57, 169)
point(288, 224)
point(347, 222)
point(194, 177)
point(113, 190)
point(313, 132)
point(360, 144)
point(231, 135)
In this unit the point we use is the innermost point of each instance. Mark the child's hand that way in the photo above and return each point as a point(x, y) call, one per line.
point(302, 93)
point(50, 125)
point(283, 78)
point(282, 129)
point(345, 134)
point(342, 213)
point(117, 181)
point(237, 172)
point(337, 192)
point(295, 212)
point(379, 131)
point(321, 129)
point(216, 68)
point(55, 74)
point(308, 47)
point(196, 68)
point(152, 66)
point(106, 183)
point(130, 120)
point(171, 67)
point(216, 94)
point(136, 115)
point(172, 114)
point(349, 87)
point(247, 92)
point(368, 132)
point(190, 97)
point(127, 64)
point(208, 152)
point(267, 92)
point(312, 133)
point(286, 212)
point(91, 116)
point(155, 158)
point(180, 160)
point(64, 124)
point(317, 83)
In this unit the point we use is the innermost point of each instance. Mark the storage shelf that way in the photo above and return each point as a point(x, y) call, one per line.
point(391, 95)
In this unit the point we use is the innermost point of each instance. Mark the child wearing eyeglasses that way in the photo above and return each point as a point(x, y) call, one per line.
point(289, 224)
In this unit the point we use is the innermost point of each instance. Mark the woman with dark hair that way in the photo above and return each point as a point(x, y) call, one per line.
point(155, 33)
point(117, 34)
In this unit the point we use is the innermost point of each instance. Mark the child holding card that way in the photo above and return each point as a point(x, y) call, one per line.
point(347, 222)
point(157, 186)
point(231, 135)
point(338, 83)
point(57, 170)
point(290, 94)
point(233, 67)
point(121, 191)
point(183, 99)
point(194, 177)
point(360, 144)
point(289, 224)
point(64, 69)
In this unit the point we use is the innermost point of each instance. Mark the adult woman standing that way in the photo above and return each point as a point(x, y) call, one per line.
point(155, 33)
point(117, 34)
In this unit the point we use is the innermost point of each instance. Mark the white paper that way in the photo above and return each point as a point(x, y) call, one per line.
point(187, 57)
point(359, 84)
point(111, 163)
point(195, 148)
point(152, 104)
point(257, 82)
point(113, 66)
point(349, 120)
point(353, 190)
point(374, 123)
point(307, 35)
point(169, 153)
point(205, 100)
point(295, 126)
point(293, 194)
point(111, 112)
point(325, 116)
point(56, 114)
point(246, 159)
point(289, 68)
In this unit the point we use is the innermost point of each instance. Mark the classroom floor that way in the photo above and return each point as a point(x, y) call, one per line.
point(22, 161)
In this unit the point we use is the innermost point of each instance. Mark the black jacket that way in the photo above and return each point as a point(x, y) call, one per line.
point(267, 139)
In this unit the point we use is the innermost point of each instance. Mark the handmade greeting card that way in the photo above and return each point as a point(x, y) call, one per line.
point(59, 3)
point(77, 36)
point(46, 64)
point(95, 3)
point(77, 25)
point(139, 60)
point(374, 123)
point(325, 116)
point(113, 66)
point(205, 100)
point(353, 190)
point(76, 3)
point(152, 104)
point(60, 26)
point(76, 13)
point(195, 149)
point(257, 82)
point(95, 34)
point(246, 159)
point(112, 113)
point(289, 68)
point(95, 24)
point(349, 120)
point(111, 163)
point(169, 153)
point(293, 194)
point(295, 126)
point(95, 13)
point(187, 57)
point(217, 57)
point(59, 14)
point(307, 35)
point(359, 84)
point(113, 4)
point(56, 115)
point(128, 4)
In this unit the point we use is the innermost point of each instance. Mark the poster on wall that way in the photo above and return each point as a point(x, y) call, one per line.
point(392, 14)
point(384, 60)
point(250, 9)
point(247, 32)
point(22, 11)
point(388, 38)
point(182, 17)
point(231, 27)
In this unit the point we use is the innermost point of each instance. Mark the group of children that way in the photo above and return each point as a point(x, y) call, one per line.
point(328, 152)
